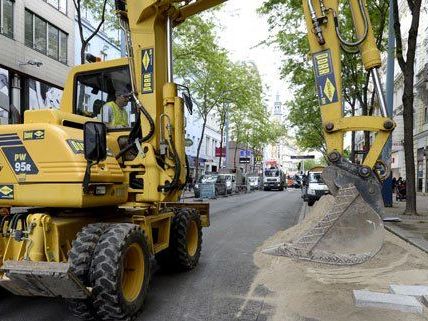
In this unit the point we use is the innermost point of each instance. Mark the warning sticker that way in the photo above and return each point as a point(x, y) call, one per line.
point(324, 77)
point(6, 192)
point(147, 70)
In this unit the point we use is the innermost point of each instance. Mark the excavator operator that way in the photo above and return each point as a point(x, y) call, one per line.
point(114, 114)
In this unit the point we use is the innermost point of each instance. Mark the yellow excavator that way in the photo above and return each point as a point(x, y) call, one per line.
point(86, 206)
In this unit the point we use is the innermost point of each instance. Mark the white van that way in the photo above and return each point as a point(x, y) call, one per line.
point(230, 182)
point(314, 186)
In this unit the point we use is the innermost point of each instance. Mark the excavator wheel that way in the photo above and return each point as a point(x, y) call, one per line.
point(185, 242)
point(120, 272)
point(80, 258)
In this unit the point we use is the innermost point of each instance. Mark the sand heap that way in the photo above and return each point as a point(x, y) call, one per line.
point(307, 291)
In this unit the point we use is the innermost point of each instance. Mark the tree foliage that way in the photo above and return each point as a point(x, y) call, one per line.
point(231, 90)
point(286, 21)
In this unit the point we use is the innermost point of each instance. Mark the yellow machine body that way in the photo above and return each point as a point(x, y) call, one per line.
point(42, 162)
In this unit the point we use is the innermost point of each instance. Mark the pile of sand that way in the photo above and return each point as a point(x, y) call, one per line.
point(305, 290)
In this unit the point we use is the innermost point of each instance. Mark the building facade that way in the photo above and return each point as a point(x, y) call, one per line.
point(208, 162)
point(37, 41)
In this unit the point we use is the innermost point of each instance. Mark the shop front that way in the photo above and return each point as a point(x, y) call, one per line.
point(20, 92)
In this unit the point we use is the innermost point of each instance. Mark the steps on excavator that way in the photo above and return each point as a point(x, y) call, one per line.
point(48, 279)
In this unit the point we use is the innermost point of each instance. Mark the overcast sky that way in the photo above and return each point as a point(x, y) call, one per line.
point(243, 30)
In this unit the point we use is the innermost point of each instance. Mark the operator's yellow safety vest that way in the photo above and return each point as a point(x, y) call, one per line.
point(120, 117)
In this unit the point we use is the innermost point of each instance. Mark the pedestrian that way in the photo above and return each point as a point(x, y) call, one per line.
point(394, 184)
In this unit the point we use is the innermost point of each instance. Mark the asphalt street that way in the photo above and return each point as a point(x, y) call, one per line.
point(216, 290)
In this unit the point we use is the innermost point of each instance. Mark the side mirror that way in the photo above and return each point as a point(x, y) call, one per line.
point(95, 141)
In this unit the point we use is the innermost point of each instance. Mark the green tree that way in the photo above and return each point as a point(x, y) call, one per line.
point(101, 13)
point(286, 18)
point(204, 67)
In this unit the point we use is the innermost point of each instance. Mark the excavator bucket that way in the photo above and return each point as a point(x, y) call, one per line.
point(343, 229)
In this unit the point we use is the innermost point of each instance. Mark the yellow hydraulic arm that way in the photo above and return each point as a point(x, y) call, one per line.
point(325, 43)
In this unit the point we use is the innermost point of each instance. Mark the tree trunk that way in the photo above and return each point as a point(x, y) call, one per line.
point(198, 151)
point(407, 67)
point(221, 146)
point(408, 144)
point(234, 155)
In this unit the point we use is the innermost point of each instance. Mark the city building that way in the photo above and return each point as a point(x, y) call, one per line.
point(279, 152)
point(208, 162)
point(37, 41)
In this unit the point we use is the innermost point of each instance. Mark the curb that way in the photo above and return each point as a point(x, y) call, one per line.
point(303, 212)
point(399, 232)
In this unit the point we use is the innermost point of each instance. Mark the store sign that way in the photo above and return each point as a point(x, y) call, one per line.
point(220, 152)
point(302, 157)
point(245, 156)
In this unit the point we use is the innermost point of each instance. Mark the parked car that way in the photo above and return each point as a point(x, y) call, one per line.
point(230, 182)
point(314, 186)
point(218, 181)
point(254, 182)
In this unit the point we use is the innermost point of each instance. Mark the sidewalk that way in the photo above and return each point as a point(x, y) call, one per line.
point(413, 229)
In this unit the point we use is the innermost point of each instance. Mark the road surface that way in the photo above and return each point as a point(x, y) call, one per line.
point(216, 290)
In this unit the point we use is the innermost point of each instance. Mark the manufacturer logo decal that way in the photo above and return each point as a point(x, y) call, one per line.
point(147, 56)
point(34, 134)
point(6, 191)
point(76, 145)
point(325, 79)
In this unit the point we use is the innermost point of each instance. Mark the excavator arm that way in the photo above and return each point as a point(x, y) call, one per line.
point(326, 44)
point(349, 230)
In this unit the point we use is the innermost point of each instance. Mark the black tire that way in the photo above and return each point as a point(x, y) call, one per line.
point(311, 203)
point(112, 299)
point(177, 257)
point(80, 258)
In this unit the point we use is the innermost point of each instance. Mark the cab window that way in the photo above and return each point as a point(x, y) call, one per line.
point(96, 89)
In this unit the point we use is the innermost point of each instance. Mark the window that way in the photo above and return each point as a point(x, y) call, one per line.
point(63, 47)
point(426, 114)
point(29, 29)
point(42, 95)
point(60, 5)
point(95, 89)
point(6, 21)
point(53, 44)
point(45, 38)
point(40, 41)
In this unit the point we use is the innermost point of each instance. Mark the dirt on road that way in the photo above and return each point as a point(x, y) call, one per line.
point(307, 291)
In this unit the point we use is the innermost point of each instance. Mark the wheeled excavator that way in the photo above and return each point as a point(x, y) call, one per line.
point(86, 207)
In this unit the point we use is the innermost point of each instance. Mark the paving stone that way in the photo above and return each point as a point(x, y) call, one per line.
point(390, 301)
point(414, 290)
